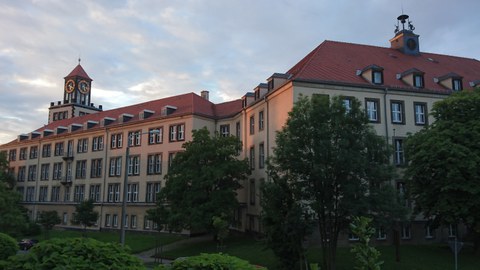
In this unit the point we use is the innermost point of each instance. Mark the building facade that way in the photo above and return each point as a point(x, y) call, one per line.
point(81, 152)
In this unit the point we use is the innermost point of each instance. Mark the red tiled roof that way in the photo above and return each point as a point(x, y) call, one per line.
point(78, 71)
point(338, 62)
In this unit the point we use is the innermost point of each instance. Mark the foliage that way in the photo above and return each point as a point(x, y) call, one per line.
point(367, 257)
point(220, 227)
point(8, 246)
point(208, 262)
point(443, 173)
point(336, 164)
point(75, 253)
point(285, 221)
point(12, 215)
point(84, 214)
point(49, 219)
point(202, 182)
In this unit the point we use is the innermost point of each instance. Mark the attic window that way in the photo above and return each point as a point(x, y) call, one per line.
point(168, 109)
point(47, 132)
point(91, 123)
point(372, 73)
point(34, 134)
point(108, 120)
point(125, 117)
point(475, 83)
point(418, 80)
point(74, 127)
point(457, 84)
point(61, 129)
point(377, 76)
point(147, 113)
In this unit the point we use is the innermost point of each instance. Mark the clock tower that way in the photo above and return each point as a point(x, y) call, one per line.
point(76, 97)
point(405, 40)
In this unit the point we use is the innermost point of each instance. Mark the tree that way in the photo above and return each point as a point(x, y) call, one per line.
point(285, 221)
point(8, 246)
point(49, 219)
point(202, 182)
point(75, 253)
point(84, 215)
point(443, 173)
point(220, 227)
point(13, 218)
point(210, 261)
point(368, 258)
point(336, 164)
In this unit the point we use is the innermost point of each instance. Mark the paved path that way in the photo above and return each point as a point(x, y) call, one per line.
point(148, 256)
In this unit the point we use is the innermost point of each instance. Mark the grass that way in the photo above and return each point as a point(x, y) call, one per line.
point(412, 257)
point(137, 242)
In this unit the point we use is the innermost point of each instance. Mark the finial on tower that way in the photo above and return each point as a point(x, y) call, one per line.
point(404, 19)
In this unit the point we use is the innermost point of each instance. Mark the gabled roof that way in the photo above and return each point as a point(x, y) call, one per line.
point(78, 71)
point(337, 62)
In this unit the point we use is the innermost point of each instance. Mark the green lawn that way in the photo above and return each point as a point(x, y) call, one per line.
point(412, 257)
point(138, 242)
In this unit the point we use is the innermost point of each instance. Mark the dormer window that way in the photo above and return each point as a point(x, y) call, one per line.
point(418, 80)
point(377, 77)
point(457, 84)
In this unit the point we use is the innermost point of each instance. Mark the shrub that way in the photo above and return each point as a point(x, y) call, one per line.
point(75, 253)
point(8, 246)
point(208, 262)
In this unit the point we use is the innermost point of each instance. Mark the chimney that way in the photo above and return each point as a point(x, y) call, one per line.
point(204, 94)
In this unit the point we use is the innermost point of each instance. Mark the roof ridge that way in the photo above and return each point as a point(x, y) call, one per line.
point(301, 65)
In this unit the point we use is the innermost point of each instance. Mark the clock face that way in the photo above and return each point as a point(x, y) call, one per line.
point(83, 86)
point(69, 86)
point(411, 44)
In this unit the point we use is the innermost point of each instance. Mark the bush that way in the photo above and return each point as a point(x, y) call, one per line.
point(31, 229)
point(209, 262)
point(75, 253)
point(8, 246)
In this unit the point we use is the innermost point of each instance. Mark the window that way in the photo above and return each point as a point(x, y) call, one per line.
point(82, 146)
point(69, 172)
point(353, 237)
point(44, 168)
point(66, 194)
point(372, 108)
point(155, 135)
point(81, 169)
point(154, 164)
point(21, 191)
point(261, 120)
point(125, 223)
point(147, 223)
point(152, 190)
point(55, 196)
point(177, 132)
point(457, 84)
point(133, 221)
point(452, 230)
point(135, 138)
point(252, 124)
point(70, 148)
point(418, 80)
point(113, 193)
point(399, 157)
point(43, 194)
point(115, 220)
point(46, 150)
point(420, 113)
point(21, 173)
point(115, 166)
point(381, 235)
point(261, 156)
point(377, 77)
point(12, 155)
point(397, 112)
point(78, 193)
point(224, 130)
point(347, 104)
point(132, 193)
point(171, 157)
point(32, 173)
point(30, 196)
point(116, 141)
point(252, 192)
point(406, 232)
point(252, 158)
point(429, 232)
point(33, 152)
point(108, 220)
point(97, 143)
point(133, 167)
point(58, 149)
point(237, 129)
point(96, 168)
point(23, 153)
point(94, 193)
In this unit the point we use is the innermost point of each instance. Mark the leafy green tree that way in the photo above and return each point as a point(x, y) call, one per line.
point(75, 254)
point(285, 221)
point(443, 174)
point(220, 227)
point(368, 258)
point(8, 246)
point(13, 218)
point(85, 215)
point(336, 164)
point(49, 219)
point(202, 182)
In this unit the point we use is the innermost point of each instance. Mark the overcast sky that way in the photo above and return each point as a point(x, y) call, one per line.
point(142, 50)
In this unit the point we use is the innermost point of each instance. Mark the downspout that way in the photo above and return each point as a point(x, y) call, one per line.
point(385, 113)
point(268, 131)
point(38, 175)
point(106, 169)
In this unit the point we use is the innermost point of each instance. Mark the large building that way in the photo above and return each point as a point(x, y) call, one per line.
point(81, 152)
